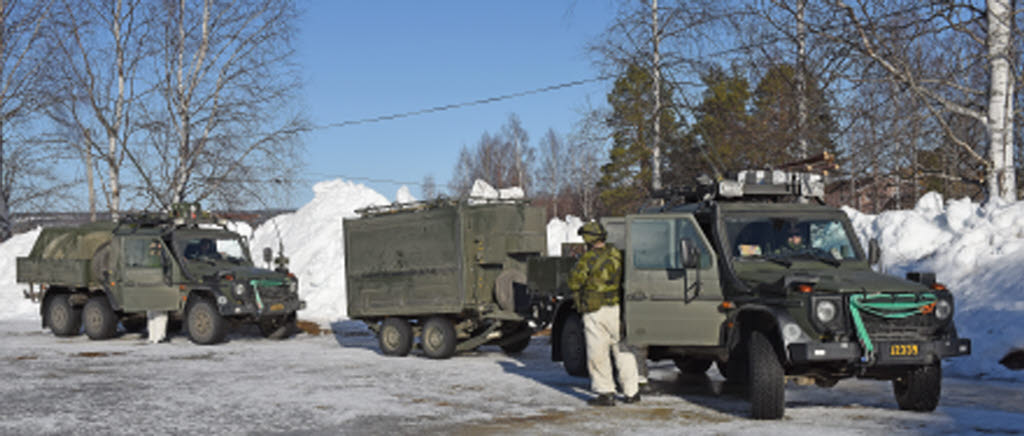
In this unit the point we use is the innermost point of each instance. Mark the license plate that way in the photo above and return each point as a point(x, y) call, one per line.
point(903, 350)
point(280, 306)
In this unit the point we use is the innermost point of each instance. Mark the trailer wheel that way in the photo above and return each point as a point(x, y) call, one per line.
point(395, 337)
point(767, 381)
point(517, 346)
point(438, 338)
point(692, 365)
point(98, 318)
point(919, 389)
point(205, 324)
point(62, 318)
point(574, 346)
point(278, 327)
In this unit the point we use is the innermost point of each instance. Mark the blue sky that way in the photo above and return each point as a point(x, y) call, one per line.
point(363, 59)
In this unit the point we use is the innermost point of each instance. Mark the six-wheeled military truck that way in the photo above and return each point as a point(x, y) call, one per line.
point(188, 263)
point(449, 272)
point(760, 277)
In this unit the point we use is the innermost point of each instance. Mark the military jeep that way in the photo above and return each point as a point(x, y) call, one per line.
point(758, 276)
point(188, 263)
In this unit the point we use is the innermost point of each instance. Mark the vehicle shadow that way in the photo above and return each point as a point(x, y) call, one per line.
point(535, 364)
point(354, 334)
point(705, 391)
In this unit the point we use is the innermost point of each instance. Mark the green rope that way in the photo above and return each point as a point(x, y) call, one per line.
point(886, 306)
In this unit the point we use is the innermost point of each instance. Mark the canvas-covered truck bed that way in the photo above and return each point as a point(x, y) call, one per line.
point(65, 256)
point(448, 261)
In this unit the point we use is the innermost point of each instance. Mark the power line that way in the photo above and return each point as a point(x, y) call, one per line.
point(446, 107)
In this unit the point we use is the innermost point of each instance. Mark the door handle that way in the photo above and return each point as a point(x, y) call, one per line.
point(636, 296)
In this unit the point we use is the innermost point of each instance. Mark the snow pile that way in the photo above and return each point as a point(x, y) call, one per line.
point(313, 243)
point(404, 195)
point(12, 300)
point(482, 189)
point(977, 252)
point(560, 231)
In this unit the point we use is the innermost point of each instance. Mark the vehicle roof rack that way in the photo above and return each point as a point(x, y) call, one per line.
point(439, 202)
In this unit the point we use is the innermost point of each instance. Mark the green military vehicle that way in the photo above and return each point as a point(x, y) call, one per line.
point(763, 279)
point(188, 263)
point(449, 272)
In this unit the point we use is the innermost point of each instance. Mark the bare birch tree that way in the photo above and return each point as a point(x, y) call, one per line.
point(887, 32)
point(221, 130)
point(97, 74)
point(21, 61)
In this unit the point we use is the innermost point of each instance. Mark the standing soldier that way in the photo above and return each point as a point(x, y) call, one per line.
point(596, 283)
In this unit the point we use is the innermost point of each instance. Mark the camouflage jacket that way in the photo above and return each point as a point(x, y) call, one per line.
point(597, 278)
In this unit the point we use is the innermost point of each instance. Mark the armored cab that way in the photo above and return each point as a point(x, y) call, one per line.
point(451, 273)
point(94, 276)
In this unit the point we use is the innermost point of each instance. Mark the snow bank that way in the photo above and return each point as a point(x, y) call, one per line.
point(977, 252)
point(13, 302)
point(312, 238)
point(560, 231)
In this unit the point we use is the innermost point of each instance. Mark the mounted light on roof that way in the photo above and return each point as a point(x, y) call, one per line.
point(730, 189)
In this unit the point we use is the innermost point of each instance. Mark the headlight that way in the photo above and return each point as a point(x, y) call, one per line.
point(293, 287)
point(239, 289)
point(825, 310)
point(943, 309)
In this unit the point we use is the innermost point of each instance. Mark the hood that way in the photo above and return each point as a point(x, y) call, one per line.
point(846, 278)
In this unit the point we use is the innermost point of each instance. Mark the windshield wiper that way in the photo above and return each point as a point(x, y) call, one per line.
point(823, 256)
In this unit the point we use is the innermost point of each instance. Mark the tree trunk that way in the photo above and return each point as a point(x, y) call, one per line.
point(801, 80)
point(1001, 178)
point(656, 146)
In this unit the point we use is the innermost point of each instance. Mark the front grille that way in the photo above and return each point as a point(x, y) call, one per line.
point(919, 326)
point(274, 293)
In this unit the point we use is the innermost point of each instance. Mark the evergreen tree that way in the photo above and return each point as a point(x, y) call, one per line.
point(775, 118)
point(626, 179)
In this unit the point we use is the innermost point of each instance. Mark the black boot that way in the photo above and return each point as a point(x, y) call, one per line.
point(634, 399)
point(602, 400)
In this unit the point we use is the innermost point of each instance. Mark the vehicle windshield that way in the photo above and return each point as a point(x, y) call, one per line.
point(783, 239)
point(212, 249)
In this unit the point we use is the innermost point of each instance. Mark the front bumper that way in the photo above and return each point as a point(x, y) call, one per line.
point(886, 353)
point(264, 308)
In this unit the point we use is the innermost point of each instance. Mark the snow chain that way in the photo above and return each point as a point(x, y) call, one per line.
point(886, 306)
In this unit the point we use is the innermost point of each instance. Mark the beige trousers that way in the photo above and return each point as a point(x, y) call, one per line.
point(601, 330)
point(156, 324)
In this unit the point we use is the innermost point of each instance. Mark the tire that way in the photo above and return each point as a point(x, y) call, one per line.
point(574, 346)
point(691, 365)
point(518, 346)
point(98, 318)
point(919, 389)
point(205, 324)
point(438, 338)
point(63, 318)
point(278, 327)
point(395, 337)
point(767, 382)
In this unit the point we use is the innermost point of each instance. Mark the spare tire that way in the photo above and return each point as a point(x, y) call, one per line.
point(505, 290)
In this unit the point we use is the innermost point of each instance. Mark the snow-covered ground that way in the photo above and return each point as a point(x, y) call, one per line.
point(340, 384)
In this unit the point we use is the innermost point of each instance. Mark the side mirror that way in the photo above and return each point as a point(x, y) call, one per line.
point(874, 252)
point(268, 254)
point(689, 254)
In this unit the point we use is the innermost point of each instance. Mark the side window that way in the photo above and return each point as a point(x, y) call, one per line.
point(142, 253)
point(655, 243)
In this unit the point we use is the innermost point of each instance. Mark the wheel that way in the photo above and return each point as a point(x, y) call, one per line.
point(62, 318)
point(278, 327)
point(919, 389)
point(438, 338)
point(518, 345)
point(395, 337)
point(98, 318)
point(767, 382)
point(574, 346)
point(692, 365)
point(204, 323)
